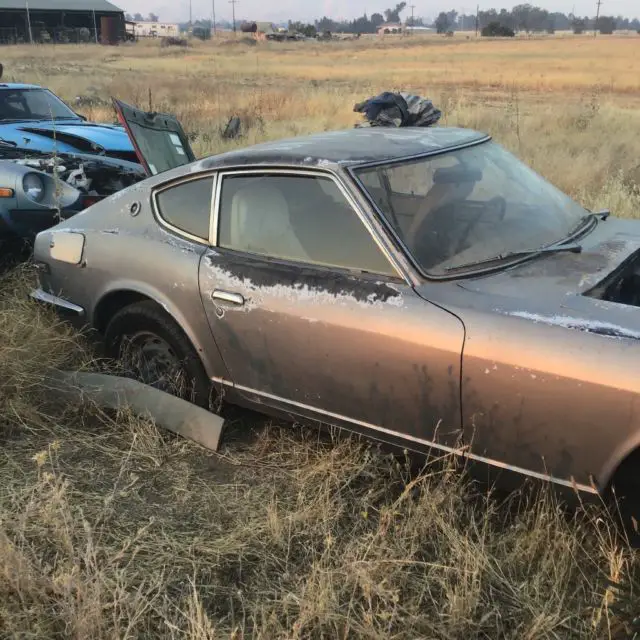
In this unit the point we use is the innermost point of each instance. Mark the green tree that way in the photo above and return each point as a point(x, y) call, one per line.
point(326, 24)
point(497, 30)
point(578, 25)
point(393, 15)
point(606, 25)
point(522, 17)
point(442, 22)
point(305, 29)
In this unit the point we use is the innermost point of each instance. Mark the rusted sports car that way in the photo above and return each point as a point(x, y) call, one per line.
point(422, 286)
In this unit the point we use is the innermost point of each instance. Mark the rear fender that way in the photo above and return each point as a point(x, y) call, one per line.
point(195, 326)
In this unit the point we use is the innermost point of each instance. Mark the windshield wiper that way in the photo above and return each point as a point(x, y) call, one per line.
point(592, 216)
point(8, 143)
point(572, 248)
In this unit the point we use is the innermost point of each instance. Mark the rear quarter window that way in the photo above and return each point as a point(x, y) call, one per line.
point(186, 207)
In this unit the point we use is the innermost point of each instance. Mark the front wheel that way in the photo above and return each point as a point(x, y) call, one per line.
point(151, 347)
point(624, 500)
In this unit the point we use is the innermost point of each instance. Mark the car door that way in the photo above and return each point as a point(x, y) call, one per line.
point(311, 315)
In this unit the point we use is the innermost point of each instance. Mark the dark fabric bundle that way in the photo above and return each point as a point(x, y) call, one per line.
point(398, 110)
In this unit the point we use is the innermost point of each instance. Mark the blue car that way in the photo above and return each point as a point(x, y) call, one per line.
point(53, 162)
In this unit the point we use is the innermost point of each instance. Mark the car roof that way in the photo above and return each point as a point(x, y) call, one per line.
point(15, 85)
point(349, 147)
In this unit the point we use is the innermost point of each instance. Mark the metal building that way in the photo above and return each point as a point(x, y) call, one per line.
point(62, 21)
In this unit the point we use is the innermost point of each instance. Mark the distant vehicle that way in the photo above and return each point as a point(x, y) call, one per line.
point(53, 163)
point(421, 286)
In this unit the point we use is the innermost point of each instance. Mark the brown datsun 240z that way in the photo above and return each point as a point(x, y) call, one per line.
point(421, 286)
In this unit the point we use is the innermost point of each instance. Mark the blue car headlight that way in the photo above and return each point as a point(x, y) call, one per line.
point(34, 187)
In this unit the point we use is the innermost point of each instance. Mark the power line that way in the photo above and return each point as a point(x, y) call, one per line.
point(233, 4)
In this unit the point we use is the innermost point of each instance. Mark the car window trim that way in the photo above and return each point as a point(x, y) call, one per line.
point(314, 266)
point(351, 200)
point(176, 182)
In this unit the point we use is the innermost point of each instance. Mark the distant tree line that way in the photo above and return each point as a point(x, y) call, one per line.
point(138, 17)
point(365, 24)
point(528, 18)
point(522, 18)
point(525, 18)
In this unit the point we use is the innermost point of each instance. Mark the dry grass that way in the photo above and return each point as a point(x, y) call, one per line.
point(111, 529)
point(568, 106)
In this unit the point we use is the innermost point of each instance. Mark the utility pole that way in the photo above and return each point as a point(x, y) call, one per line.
point(595, 26)
point(214, 17)
point(26, 4)
point(477, 15)
point(412, 7)
point(233, 4)
point(190, 13)
point(95, 26)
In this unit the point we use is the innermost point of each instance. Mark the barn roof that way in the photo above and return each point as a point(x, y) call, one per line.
point(61, 5)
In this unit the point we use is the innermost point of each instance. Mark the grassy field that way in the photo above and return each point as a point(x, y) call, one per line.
point(111, 529)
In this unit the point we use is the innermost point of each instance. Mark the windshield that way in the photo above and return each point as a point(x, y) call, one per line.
point(32, 104)
point(470, 205)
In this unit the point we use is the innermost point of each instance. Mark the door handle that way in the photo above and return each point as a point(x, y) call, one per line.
point(227, 296)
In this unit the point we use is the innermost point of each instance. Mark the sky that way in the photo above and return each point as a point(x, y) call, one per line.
point(178, 10)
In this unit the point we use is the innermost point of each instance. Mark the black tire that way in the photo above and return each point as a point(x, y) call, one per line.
point(625, 504)
point(147, 319)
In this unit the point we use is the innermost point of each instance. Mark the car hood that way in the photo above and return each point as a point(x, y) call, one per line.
point(84, 137)
point(555, 288)
point(158, 138)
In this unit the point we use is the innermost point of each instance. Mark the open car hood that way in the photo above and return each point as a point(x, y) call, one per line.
point(158, 138)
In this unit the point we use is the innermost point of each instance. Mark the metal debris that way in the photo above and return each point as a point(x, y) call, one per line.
point(167, 411)
point(232, 130)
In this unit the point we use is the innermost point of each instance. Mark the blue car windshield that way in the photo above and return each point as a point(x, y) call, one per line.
point(18, 105)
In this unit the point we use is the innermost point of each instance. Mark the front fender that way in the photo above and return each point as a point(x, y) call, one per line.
point(549, 400)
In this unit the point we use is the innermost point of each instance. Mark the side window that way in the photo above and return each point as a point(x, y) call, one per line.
point(187, 206)
point(12, 105)
point(300, 218)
